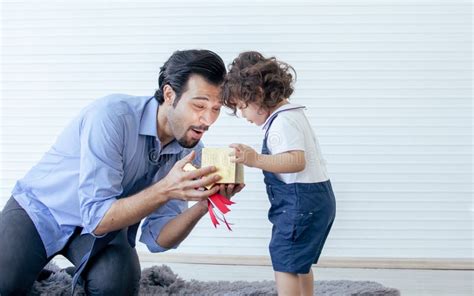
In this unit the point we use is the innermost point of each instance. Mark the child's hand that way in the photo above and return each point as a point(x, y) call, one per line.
point(244, 154)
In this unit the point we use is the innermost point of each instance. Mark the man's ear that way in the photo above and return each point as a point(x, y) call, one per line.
point(168, 94)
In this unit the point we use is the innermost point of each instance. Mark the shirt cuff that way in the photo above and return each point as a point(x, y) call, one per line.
point(151, 233)
point(98, 216)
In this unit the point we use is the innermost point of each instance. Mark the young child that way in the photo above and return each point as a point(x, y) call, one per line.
point(302, 201)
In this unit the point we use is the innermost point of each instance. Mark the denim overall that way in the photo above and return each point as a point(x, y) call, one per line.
point(302, 215)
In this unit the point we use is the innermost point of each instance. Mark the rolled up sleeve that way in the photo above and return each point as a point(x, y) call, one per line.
point(155, 222)
point(101, 165)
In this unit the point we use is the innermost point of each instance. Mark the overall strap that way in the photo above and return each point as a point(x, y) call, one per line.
point(274, 115)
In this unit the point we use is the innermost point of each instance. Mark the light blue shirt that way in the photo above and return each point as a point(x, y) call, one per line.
point(104, 154)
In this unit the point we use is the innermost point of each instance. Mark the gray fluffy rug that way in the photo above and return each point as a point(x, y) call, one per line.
point(160, 280)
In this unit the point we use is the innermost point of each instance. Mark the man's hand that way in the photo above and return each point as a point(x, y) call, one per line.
point(244, 154)
point(229, 190)
point(188, 185)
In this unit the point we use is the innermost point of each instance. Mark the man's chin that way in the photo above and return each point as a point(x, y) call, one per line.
point(188, 143)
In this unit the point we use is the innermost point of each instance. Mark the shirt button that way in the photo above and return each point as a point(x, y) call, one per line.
point(153, 156)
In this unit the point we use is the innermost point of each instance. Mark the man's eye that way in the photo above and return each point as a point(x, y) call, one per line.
point(199, 106)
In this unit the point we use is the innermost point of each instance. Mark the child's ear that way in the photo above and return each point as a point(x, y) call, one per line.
point(168, 94)
point(262, 111)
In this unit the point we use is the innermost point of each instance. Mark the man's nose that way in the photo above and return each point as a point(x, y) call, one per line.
point(208, 118)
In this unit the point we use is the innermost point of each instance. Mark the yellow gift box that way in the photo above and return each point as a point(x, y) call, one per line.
point(230, 173)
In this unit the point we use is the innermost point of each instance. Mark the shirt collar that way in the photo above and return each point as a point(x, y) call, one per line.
point(149, 127)
point(172, 147)
point(148, 123)
point(282, 108)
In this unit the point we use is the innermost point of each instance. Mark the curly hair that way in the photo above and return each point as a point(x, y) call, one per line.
point(252, 78)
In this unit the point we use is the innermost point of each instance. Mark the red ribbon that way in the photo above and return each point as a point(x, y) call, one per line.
point(221, 203)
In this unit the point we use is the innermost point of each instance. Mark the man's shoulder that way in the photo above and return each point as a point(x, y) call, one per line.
point(120, 103)
point(116, 106)
point(116, 109)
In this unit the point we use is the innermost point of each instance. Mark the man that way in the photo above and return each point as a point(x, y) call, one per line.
point(120, 161)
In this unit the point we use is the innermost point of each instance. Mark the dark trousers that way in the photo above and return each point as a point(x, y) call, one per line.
point(115, 270)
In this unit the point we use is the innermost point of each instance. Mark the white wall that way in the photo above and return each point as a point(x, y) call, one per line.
point(387, 85)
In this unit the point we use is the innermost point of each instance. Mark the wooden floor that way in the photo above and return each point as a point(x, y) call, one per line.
point(410, 282)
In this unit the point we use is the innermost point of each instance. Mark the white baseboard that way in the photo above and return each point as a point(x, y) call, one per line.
point(386, 263)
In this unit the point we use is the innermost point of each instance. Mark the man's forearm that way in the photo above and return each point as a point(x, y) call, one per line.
point(130, 210)
point(176, 230)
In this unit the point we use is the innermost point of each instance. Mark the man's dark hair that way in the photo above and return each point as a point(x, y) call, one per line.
point(184, 63)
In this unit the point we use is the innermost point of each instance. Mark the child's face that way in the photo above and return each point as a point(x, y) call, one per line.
point(253, 113)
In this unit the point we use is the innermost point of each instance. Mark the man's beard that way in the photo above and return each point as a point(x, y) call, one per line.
point(184, 141)
point(191, 143)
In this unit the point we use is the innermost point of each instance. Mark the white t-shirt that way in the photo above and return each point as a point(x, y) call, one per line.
point(291, 130)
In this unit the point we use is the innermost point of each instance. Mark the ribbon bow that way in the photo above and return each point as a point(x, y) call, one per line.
point(221, 203)
point(215, 201)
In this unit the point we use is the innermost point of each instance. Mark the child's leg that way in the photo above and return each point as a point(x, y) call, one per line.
point(287, 284)
point(306, 283)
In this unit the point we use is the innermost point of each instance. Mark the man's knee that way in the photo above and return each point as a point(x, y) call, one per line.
point(118, 282)
point(115, 272)
point(22, 253)
point(12, 285)
point(17, 279)
point(111, 287)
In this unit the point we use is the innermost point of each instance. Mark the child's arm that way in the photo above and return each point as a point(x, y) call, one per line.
point(287, 162)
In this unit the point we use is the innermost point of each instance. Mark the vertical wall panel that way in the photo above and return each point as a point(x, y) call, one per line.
point(387, 85)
